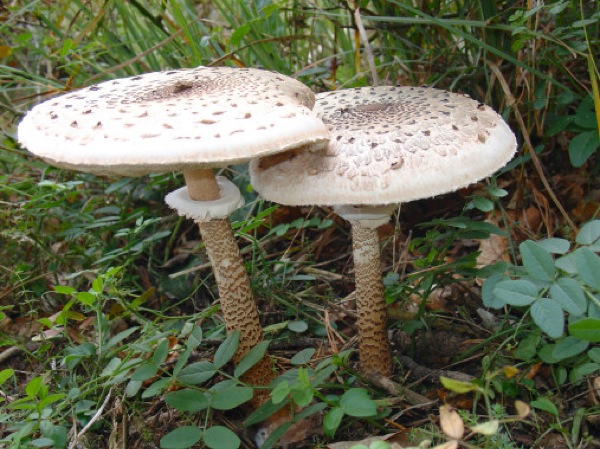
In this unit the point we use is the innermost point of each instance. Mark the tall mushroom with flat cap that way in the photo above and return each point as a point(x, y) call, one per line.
point(189, 120)
point(388, 145)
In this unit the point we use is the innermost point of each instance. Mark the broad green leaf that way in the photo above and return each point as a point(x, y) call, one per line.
point(569, 347)
point(196, 373)
point(538, 262)
point(219, 437)
point(6, 374)
point(303, 357)
point(555, 246)
point(546, 405)
point(527, 348)
point(156, 388)
point(332, 420)
point(86, 298)
point(133, 387)
point(187, 400)
point(582, 146)
point(589, 233)
point(594, 355)
point(161, 352)
point(64, 290)
point(254, 355)
point(280, 392)
point(34, 386)
point(311, 410)
point(356, 402)
point(302, 395)
point(569, 294)
point(458, 386)
point(195, 338)
point(580, 371)
point(548, 315)
point(519, 292)
point(231, 398)
point(144, 372)
point(120, 337)
point(227, 349)
point(181, 438)
point(587, 329)
point(98, 285)
point(298, 326)
point(588, 266)
point(546, 354)
point(566, 263)
point(487, 291)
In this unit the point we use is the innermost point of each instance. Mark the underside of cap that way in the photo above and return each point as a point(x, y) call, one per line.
point(389, 145)
point(164, 121)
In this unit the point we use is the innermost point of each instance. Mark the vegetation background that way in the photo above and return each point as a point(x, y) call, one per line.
point(108, 309)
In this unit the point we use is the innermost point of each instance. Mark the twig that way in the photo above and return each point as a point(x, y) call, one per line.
point(393, 388)
point(95, 418)
point(536, 161)
point(365, 40)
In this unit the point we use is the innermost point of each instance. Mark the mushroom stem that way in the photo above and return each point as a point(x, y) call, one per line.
point(237, 302)
point(202, 184)
point(373, 345)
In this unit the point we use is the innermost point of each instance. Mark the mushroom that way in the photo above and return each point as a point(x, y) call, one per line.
point(388, 145)
point(191, 120)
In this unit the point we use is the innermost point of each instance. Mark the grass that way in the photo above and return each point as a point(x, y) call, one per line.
point(108, 301)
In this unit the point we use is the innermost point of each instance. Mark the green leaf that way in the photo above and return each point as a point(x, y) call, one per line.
point(545, 405)
point(569, 347)
point(227, 349)
point(133, 387)
point(303, 357)
point(555, 246)
point(588, 266)
point(594, 355)
point(548, 315)
point(582, 146)
point(238, 35)
point(156, 388)
point(537, 261)
point(587, 329)
point(161, 352)
point(144, 372)
point(583, 370)
point(219, 437)
point(527, 348)
point(98, 285)
point(254, 355)
point(566, 263)
point(487, 291)
point(196, 373)
point(195, 338)
point(298, 326)
point(231, 398)
point(280, 392)
point(181, 438)
point(187, 400)
point(458, 386)
point(332, 420)
point(569, 294)
point(356, 402)
point(589, 233)
point(120, 337)
point(518, 292)
point(6, 374)
point(64, 290)
point(86, 298)
point(34, 386)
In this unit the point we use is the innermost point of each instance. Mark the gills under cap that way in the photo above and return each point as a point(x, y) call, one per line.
point(164, 121)
point(389, 145)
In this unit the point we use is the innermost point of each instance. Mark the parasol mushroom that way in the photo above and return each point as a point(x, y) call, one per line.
point(189, 120)
point(388, 145)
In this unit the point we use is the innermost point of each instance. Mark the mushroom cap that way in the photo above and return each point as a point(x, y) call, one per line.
point(164, 121)
point(389, 145)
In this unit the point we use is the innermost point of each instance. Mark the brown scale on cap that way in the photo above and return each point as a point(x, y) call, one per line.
point(388, 145)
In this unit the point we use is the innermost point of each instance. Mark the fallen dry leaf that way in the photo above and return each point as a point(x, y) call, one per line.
point(451, 422)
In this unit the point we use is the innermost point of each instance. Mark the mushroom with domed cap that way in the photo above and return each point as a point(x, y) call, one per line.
point(388, 145)
point(190, 120)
